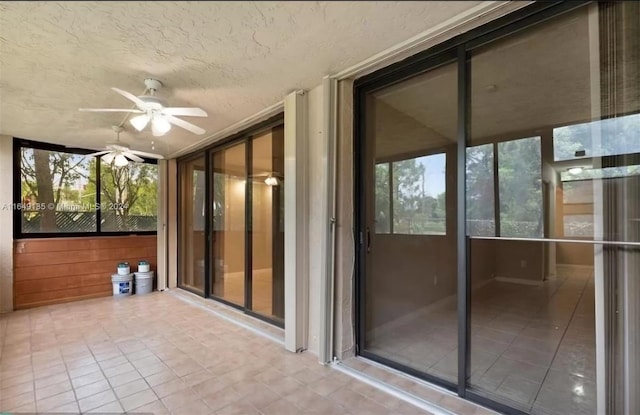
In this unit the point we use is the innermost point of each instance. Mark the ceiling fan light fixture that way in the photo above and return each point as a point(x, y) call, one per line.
point(160, 126)
point(271, 181)
point(120, 161)
point(139, 121)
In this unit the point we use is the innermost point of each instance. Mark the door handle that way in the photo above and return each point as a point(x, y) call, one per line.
point(368, 240)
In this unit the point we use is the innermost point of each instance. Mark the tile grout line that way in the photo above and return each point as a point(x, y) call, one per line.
point(584, 289)
point(143, 378)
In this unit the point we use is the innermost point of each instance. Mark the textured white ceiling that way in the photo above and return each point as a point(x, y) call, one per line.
point(231, 58)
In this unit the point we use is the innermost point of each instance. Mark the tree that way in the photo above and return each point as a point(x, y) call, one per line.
point(382, 188)
point(479, 191)
point(520, 186)
point(127, 190)
point(46, 174)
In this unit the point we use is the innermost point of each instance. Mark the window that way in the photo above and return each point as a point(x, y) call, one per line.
point(129, 197)
point(410, 196)
point(609, 137)
point(57, 192)
point(519, 178)
point(383, 200)
point(577, 199)
point(61, 193)
point(520, 186)
point(480, 189)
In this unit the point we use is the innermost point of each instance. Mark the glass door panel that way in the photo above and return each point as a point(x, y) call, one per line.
point(267, 230)
point(228, 224)
point(192, 224)
point(410, 288)
point(553, 307)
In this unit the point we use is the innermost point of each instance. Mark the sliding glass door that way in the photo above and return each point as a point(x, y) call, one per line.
point(228, 241)
point(243, 214)
point(266, 296)
point(192, 236)
point(499, 233)
point(410, 317)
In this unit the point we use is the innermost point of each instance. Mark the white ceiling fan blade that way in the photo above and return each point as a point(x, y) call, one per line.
point(132, 156)
point(108, 158)
point(110, 110)
point(146, 155)
point(184, 124)
point(185, 112)
point(99, 153)
point(139, 103)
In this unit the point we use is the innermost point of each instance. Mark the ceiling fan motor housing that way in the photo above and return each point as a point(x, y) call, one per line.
point(152, 102)
point(152, 84)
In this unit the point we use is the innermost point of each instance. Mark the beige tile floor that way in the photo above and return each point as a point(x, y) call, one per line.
point(532, 347)
point(230, 287)
point(159, 354)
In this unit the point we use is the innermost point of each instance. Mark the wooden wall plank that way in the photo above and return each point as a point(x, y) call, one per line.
point(80, 244)
point(36, 272)
point(56, 270)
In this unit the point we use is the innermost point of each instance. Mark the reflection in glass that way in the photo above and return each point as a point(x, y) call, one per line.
point(419, 197)
point(192, 232)
point(480, 191)
point(533, 334)
point(575, 94)
point(411, 280)
point(229, 188)
point(267, 232)
point(585, 139)
point(383, 198)
point(520, 184)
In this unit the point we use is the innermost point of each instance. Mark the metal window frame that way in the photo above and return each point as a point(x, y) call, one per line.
point(18, 145)
point(245, 136)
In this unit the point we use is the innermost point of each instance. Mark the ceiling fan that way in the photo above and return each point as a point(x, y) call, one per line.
point(270, 178)
point(153, 109)
point(119, 153)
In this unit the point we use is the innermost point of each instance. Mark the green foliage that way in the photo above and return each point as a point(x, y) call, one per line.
point(479, 191)
point(68, 182)
point(413, 210)
point(520, 186)
point(127, 191)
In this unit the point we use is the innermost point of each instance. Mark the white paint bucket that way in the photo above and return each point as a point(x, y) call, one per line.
point(144, 282)
point(122, 284)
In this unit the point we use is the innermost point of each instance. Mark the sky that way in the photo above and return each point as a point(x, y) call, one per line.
point(434, 174)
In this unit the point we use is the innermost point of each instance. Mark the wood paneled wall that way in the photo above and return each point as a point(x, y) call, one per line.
point(58, 270)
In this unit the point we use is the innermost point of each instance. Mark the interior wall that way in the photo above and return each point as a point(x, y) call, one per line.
point(234, 233)
point(425, 265)
point(262, 223)
point(521, 260)
point(575, 254)
point(58, 270)
point(568, 253)
point(6, 224)
point(483, 262)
